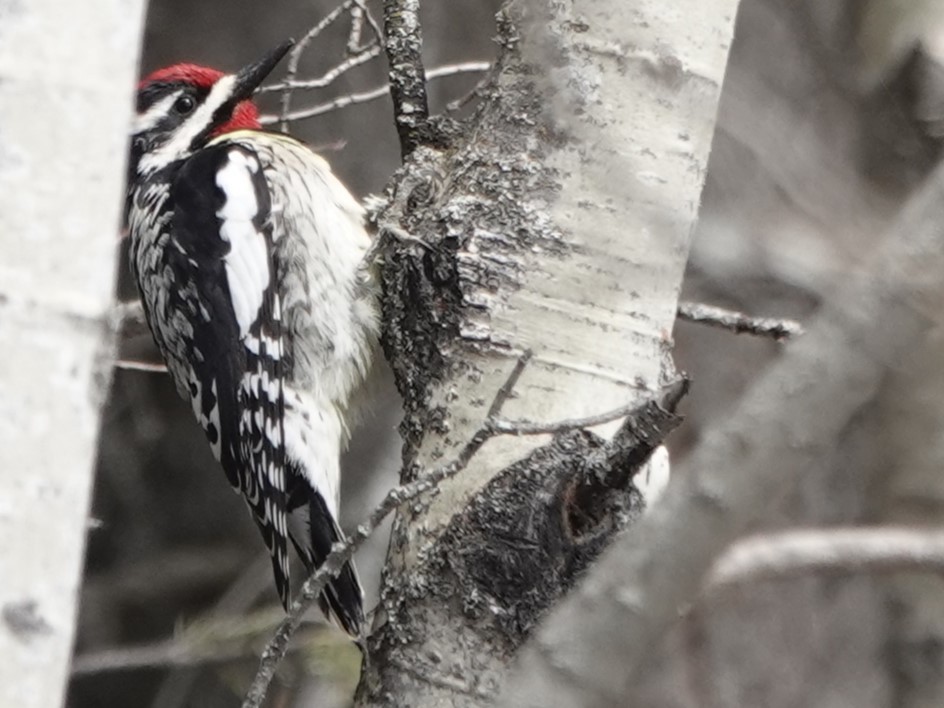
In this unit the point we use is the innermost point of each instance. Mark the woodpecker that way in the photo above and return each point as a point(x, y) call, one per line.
point(249, 256)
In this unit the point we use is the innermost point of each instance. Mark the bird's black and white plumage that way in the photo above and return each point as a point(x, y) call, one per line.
point(250, 259)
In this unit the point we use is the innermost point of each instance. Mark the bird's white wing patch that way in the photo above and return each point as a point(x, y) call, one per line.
point(247, 263)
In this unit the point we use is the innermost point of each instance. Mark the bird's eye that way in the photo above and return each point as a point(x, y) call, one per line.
point(185, 104)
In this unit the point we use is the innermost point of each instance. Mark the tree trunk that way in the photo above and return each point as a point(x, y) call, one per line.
point(556, 221)
point(66, 80)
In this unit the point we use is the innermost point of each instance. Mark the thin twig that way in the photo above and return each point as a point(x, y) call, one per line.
point(361, 7)
point(372, 94)
point(330, 76)
point(146, 366)
point(357, 27)
point(341, 552)
point(463, 67)
point(341, 102)
point(404, 44)
point(163, 654)
point(738, 322)
point(295, 55)
point(527, 427)
point(796, 553)
point(462, 101)
point(507, 388)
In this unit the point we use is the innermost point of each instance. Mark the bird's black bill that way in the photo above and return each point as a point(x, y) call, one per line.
point(249, 78)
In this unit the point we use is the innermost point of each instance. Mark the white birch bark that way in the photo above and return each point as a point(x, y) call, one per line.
point(66, 81)
point(631, 89)
point(594, 150)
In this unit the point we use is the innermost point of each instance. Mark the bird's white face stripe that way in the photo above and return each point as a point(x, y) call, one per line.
point(179, 145)
point(147, 120)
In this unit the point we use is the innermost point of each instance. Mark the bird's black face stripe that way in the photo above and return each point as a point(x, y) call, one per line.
point(155, 91)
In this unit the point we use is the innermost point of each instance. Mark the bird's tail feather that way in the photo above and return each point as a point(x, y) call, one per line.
point(342, 599)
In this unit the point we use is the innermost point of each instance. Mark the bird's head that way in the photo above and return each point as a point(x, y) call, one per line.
point(181, 107)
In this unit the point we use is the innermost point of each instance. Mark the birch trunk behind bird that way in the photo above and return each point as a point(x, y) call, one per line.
point(65, 71)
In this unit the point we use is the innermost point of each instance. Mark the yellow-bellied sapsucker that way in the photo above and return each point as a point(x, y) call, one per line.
point(250, 259)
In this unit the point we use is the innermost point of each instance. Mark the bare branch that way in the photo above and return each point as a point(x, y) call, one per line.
point(802, 552)
point(168, 653)
point(525, 427)
point(459, 68)
point(404, 45)
point(295, 55)
point(373, 94)
point(463, 101)
point(357, 27)
point(364, 13)
point(146, 366)
point(738, 322)
point(322, 108)
point(365, 55)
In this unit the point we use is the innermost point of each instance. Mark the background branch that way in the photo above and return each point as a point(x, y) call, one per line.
point(472, 67)
point(403, 39)
point(832, 550)
point(295, 55)
point(738, 322)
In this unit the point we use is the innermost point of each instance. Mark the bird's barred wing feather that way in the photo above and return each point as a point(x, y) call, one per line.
point(237, 378)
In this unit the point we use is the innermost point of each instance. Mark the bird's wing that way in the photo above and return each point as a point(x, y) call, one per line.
point(222, 235)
